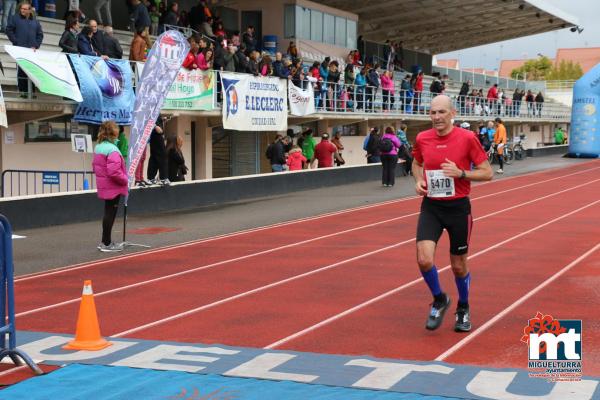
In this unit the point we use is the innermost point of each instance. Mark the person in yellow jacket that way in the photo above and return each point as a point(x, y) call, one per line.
point(500, 142)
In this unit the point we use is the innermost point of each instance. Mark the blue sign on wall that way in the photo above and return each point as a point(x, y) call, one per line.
point(50, 178)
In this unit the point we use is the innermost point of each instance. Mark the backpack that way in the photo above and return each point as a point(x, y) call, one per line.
point(373, 145)
point(386, 145)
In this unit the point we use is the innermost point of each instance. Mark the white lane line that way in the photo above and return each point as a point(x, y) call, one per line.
point(412, 283)
point(176, 274)
point(514, 305)
point(266, 227)
point(303, 275)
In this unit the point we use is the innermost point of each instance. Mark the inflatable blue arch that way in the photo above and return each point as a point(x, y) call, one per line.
point(584, 138)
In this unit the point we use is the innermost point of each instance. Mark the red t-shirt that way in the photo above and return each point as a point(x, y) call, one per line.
point(324, 152)
point(459, 146)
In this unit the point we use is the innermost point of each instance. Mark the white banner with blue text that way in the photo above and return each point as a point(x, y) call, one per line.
point(254, 103)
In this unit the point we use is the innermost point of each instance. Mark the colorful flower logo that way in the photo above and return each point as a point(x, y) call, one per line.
point(541, 324)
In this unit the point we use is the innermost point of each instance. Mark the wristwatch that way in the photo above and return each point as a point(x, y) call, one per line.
point(463, 175)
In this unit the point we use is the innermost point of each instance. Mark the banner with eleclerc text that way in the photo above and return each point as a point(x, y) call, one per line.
point(48, 70)
point(302, 101)
point(252, 103)
point(3, 119)
point(192, 90)
point(163, 63)
point(108, 89)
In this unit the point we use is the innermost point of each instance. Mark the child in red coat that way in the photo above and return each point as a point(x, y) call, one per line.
point(295, 160)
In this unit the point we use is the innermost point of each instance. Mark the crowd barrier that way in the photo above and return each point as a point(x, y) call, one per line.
point(28, 182)
point(7, 302)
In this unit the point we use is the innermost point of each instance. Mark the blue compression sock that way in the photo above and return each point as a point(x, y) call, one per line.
point(431, 277)
point(462, 284)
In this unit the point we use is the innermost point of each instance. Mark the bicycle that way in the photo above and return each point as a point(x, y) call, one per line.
point(518, 149)
point(507, 154)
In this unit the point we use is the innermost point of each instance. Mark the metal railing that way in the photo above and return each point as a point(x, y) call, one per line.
point(566, 85)
point(342, 98)
point(28, 182)
point(335, 98)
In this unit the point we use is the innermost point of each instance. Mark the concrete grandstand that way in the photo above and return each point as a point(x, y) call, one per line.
point(214, 152)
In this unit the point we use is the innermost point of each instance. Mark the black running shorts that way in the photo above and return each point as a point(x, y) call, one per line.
point(452, 215)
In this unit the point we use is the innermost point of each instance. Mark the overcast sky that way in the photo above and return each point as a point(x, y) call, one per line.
point(489, 56)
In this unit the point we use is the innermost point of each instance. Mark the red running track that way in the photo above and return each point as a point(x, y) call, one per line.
point(347, 283)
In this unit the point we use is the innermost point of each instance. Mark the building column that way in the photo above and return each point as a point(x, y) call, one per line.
point(203, 149)
point(323, 126)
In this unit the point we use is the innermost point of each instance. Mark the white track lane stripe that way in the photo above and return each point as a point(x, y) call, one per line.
point(514, 305)
point(303, 275)
point(195, 242)
point(412, 283)
point(176, 274)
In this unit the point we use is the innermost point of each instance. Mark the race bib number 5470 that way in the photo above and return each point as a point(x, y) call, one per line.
point(439, 185)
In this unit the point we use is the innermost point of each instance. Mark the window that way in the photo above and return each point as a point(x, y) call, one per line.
point(52, 130)
point(340, 31)
point(534, 128)
point(302, 22)
point(328, 28)
point(347, 130)
point(351, 34)
point(289, 18)
point(316, 26)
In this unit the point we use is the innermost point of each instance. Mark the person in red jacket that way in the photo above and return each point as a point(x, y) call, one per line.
point(295, 161)
point(190, 61)
point(325, 151)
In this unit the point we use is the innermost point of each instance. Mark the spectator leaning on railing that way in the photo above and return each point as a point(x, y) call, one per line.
point(84, 43)
point(112, 47)
point(98, 38)
point(25, 31)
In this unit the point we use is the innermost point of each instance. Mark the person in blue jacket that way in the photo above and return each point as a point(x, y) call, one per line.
point(24, 30)
point(84, 42)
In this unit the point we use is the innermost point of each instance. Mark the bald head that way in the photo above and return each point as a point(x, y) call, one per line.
point(441, 113)
point(442, 101)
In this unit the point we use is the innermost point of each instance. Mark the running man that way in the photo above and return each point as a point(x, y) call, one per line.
point(441, 168)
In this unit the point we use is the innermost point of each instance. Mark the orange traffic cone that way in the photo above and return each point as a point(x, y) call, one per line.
point(87, 335)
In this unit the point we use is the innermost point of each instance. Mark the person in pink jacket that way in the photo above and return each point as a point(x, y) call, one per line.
point(389, 145)
point(111, 180)
point(295, 160)
point(387, 89)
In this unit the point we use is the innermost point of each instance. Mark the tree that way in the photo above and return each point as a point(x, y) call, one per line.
point(536, 70)
point(566, 71)
point(542, 69)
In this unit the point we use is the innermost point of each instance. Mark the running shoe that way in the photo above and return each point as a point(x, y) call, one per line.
point(500, 171)
point(111, 248)
point(165, 182)
point(463, 319)
point(436, 315)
